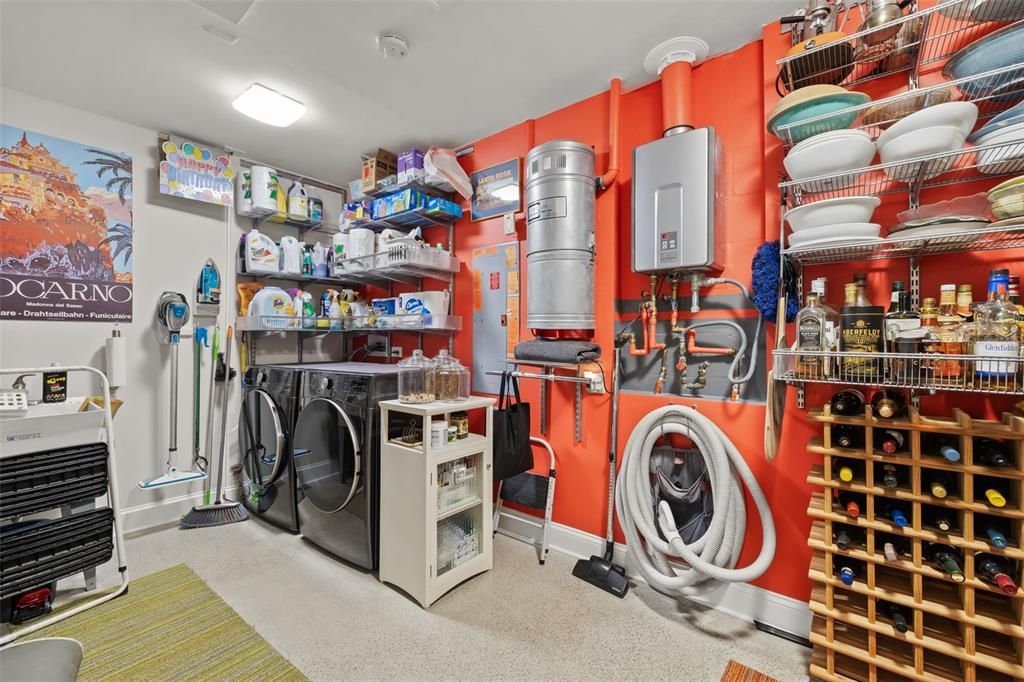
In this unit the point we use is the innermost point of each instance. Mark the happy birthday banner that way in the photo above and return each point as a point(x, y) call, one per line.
point(194, 171)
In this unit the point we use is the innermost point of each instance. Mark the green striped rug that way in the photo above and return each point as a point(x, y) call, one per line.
point(170, 626)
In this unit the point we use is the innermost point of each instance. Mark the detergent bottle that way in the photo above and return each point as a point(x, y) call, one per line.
point(308, 311)
point(298, 202)
point(261, 253)
point(339, 245)
point(335, 313)
point(307, 259)
point(297, 295)
point(291, 255)
point(319, 260)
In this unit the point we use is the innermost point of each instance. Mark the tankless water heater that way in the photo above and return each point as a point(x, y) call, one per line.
point(674, 203)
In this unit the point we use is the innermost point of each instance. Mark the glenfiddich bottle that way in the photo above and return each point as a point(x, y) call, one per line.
point(860, 331)
point(997, 337)
point(947, 560)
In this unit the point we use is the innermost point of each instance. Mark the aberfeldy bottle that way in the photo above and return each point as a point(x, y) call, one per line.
point(860, 331)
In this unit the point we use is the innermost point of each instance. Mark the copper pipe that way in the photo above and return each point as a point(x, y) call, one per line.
point(677, 96)
point(614, 107)
point(652, 321)
point(675, 328)
point(692, 347)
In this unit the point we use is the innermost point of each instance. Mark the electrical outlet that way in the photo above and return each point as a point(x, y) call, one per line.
point(396, 352)
point(596, 384)
point(510, 223)
point(380, 343)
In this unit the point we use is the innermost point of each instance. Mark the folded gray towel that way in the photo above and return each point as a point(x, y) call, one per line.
point(543, 350)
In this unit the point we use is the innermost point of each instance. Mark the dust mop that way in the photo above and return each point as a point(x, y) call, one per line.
point(222, 511)
point(173, 315)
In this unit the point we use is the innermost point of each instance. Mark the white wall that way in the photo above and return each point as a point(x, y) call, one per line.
point(173, 238)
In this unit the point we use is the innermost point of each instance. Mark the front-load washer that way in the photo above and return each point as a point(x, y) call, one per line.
point(337, 457)
point(265, 426)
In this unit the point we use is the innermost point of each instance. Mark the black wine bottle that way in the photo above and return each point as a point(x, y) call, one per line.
point(896, 514)
point(993, 530)
point(941, 444)
point(891, 550)
point(939, 483)
point(846, 470)
point(995, 570)
point(847, 536)
point(888, 404)
point(890, 441)
point(852, 503)
point(849, 402)
point(894, 613)
point(947, 560)
point(993, 490)
point(847, 569)
point(889, 475)
point(939, 518)
point(991, 453)
point(849, 437)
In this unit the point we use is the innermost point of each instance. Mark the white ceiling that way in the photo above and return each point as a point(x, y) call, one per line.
point(474, 66)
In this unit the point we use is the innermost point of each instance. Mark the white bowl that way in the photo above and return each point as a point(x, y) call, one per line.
point(839, 230)
point(829, 137)
point(961, 115)
point(1006, 159)
point(830, 157)
point(832, 211)
point(918, 143)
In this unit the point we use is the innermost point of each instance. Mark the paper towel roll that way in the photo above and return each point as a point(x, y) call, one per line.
point(117, 360)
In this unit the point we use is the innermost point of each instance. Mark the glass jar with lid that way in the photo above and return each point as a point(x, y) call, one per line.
point(416, 379)
point(452, 384)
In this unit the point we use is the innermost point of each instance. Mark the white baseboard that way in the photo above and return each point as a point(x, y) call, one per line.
point(742, 600)
point(168, 510)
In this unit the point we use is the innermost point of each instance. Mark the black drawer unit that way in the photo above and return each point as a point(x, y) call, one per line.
point(36, 553)
point(44, 480)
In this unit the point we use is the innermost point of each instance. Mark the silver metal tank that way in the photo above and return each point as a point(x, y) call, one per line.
point(560, 241)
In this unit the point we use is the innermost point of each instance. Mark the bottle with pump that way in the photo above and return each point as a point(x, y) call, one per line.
point(894, 613)
point(995, 570)
point(941, 444)
point(847, 436)
point(947, 560)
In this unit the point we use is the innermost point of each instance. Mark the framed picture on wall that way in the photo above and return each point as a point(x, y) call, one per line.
point(496, 191)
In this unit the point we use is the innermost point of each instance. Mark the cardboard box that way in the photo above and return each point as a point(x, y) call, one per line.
point(410, 166)
point(377, 167)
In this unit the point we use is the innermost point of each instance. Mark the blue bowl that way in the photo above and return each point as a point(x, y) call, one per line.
point(819, 106)
point(1004, 47)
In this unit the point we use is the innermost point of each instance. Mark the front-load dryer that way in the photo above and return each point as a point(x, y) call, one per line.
point(265, 427)
point(337, 457)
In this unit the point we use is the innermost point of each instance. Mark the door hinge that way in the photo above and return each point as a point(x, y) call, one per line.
point(431, 478)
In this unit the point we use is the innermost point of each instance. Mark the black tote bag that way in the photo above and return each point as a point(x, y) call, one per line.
point(512, 453)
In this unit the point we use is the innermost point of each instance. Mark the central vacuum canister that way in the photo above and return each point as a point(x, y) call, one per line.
point(560, 244)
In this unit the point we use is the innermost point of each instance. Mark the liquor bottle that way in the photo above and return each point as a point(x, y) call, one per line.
point(951, 342)
point(895, 614)
point(849, 437)
point(939, 483)
point(891, 550)
point(996, 336)
point(810, 332)
point(889, 475)
point(965, 302)
point(995, 570)
point(851, 503)
point(994, 490)
point(1013, 289)
point(946, 559)
point(941, 444)
point(930, 328)
point(847, 536)
point(901, 319)
point(847, 569)
point(848, 469)
point(849, 403)
point(991, 452)
point(993, 530)
point(890, 441)
point(939, 518)
point(888, 403)
point(895, 513)
point(861, 331)
point(897, 287)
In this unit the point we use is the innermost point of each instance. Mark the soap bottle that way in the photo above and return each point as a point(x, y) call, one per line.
point(308, 311)
point(298, 202)
point(297, 295)
point(307, 259)
point(335, 313)
point(319, 260)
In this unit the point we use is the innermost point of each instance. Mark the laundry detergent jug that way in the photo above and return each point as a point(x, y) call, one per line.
point(261, 253)
point(298, 202)
point(291, 255)
point(272, 306)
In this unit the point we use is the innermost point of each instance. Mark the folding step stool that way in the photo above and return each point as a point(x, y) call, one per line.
point(534, 491)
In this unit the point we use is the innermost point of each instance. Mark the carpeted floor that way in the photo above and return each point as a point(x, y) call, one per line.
point(171, 626)
point(737, 672)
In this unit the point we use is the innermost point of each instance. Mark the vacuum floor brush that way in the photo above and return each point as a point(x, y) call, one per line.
point(222, 511)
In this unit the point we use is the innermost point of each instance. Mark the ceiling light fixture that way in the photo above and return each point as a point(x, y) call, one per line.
point(269, 106)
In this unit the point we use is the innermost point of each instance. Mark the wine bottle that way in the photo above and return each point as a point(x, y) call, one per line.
point(947, 560)
point(991, 452)
point(995, 570)
point(845, 536)
point(889, 441)
point(888, 404)
point(851, 503)
point(940, 518)
point(849, 437)
point(941, 444)
point(848, 469)
point(994, 490)
point(895, 614)
point(889, 475)
point(993, 529)
point(898, 517)
point(846, 569)
point(848, 403)
point(939, 483)
point(890, 551)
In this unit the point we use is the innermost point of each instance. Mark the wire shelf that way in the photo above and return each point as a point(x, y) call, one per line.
point(904, 45)
point(404, 264)
point(417, 217)
point(921, 371)
point(992, 91)
point(440, 324)
point(913, 175)
point(1009, 237)
point(417, 185)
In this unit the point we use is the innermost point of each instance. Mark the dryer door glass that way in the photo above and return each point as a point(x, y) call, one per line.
point(327, 461)
point(262, 439)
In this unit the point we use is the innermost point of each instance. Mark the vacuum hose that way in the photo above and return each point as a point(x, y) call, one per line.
point(714, 555)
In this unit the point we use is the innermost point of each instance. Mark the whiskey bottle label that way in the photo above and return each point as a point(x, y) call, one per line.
point(861, 332)
point(991, 351)
point(809, 335)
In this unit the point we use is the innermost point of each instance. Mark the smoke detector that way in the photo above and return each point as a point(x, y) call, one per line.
point(391, 46)
point(681, 49)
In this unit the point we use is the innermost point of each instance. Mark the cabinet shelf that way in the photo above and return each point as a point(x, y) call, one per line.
point(406, 220)
point(412, 324)
point(403, 264)
point(443, 514)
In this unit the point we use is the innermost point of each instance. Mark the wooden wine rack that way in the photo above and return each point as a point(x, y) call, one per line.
point(956, 631)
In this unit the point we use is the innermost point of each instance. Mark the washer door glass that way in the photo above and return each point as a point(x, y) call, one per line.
point(261, 437)
point(327, 455)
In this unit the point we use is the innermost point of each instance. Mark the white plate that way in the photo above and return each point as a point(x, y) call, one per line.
point(830, 136)
point(961, 115)
point(937, 230)
point(831, 212)
point(1006, 159)
point(839, 230)
point(833, 242)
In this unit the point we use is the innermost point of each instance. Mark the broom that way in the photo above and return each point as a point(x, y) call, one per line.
point(221, 512)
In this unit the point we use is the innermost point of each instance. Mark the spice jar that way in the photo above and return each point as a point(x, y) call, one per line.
point(460, 420)
point(452, 384)
point(416, 379)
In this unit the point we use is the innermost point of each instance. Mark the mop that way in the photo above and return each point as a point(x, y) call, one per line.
point(222, 511)
point(173, 314)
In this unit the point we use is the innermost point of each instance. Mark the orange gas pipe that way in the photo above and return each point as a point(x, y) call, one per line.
point(677, 95)
point(614, 106)
point(692, 347)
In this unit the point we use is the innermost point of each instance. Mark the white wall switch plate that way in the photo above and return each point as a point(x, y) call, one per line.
point(510, 223)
